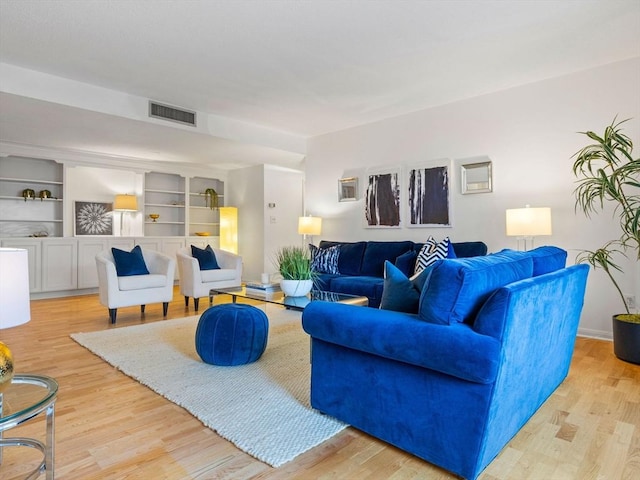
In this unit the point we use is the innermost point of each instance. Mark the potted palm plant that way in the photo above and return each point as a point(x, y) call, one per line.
point(294, 264)
point(607, 172)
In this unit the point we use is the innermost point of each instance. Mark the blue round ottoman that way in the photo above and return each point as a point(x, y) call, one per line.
point(232, 334)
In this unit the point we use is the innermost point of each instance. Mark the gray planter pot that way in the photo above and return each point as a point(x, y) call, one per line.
point(626, 340)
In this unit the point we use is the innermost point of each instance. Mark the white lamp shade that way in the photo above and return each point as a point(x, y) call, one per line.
point(229, 229)
point(528, 222)
point(309, 225)
point(14, 287)
point(126, 203)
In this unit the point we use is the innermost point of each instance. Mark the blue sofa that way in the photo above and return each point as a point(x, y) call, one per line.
point(452, 384)
point(361, 265)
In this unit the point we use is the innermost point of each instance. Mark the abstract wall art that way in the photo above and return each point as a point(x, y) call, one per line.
point(428, 194)
point(93, 218)
point(382, 199)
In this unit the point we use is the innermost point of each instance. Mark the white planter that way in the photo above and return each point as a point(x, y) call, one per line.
point(296, 288)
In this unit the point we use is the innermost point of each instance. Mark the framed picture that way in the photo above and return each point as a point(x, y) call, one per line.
point(92, 218)
point(382, 199)
point(348, 189)
point(429, 194)
point(476, 177)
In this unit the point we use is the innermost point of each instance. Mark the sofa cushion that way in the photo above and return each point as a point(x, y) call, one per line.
point(400, 293)
point(457, 288)
point(129, 263)
point(141, 282)
point(370, 287)
point(406, 262)
point(547, 259)
point(469, 249)
point(377, 253)
point(206, 257)
point(351, 253)
point(324, 260)
point(431, 252)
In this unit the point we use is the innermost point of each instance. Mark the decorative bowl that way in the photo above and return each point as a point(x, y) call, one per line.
point(203, 234)
point(154, 216)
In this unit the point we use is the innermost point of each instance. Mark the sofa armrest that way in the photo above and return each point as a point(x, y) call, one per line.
point(455, 350)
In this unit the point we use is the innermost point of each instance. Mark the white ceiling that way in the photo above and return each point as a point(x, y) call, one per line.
point(293, 68)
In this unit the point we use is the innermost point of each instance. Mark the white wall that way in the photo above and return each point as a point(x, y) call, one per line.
point(101, 185)
point(530, 135)
point(263, 229)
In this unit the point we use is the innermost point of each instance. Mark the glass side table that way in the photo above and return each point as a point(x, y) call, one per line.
point(26, 398)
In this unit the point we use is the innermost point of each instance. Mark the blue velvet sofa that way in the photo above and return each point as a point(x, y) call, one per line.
point(361, 265)
point(453, 383)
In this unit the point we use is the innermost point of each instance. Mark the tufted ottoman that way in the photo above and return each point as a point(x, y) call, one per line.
point(231, 334)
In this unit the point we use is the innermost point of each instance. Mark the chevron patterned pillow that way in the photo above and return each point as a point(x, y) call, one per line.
point(430, 252)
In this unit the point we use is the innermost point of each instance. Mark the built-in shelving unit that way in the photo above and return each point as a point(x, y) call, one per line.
point(201, 217)
point(24, 217)
point(164, 195)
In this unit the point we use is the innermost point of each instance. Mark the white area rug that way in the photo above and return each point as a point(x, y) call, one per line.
point(263, 407)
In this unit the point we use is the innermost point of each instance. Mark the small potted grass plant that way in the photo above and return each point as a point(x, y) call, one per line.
point(607, 172)
point(294, 265)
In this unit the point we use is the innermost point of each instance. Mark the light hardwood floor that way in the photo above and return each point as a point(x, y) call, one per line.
point(108, 426)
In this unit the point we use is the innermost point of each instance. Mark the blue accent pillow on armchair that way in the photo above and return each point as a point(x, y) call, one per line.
point(206, 257)
point(129, 263)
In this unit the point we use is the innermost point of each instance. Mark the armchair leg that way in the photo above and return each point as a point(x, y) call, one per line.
point(142, 308)
point(210, 299)
point(186, 301)
point(196, 302)
point(112, 314)
point(165, 308)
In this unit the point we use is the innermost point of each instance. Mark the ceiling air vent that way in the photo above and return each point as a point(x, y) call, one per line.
point(165, 112)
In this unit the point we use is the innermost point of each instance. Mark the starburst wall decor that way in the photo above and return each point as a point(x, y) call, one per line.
point(93, 218)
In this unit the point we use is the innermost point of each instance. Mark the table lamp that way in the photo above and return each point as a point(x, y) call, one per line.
point(309, 226)
point(527, 223)
point(14, 302)
point(125, 203)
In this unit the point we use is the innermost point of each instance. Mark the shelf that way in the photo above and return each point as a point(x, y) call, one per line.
point(170, 205)
point(172, 192)
point(163, 223)
point(29, 180)
point(195, 194)
point(3, 197)
point(205, 223)
point(30, 220)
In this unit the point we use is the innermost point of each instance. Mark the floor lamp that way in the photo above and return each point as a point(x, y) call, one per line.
point(309, 226)
point(125, 203)
point(527, 223)
point(15, 308)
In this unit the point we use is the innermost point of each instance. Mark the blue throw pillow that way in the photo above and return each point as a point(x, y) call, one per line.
point(406, 262)
point(129, 263)
point(400, 293)
point(206, 258)
point(324, 260)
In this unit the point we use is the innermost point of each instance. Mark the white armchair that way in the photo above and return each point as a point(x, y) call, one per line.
point(127, 291)
point(198, 283)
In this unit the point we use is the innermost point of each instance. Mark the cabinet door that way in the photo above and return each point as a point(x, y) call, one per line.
point(170, 246)
point(88, 248)
point(59, 264)
point(34, 252)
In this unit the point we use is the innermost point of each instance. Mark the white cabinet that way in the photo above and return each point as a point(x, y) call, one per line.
point(52, 262)
point(167, 245)
point(88, 248)
point(164, 195)
point(59, 264)
point(38, 212)
point(33, 247)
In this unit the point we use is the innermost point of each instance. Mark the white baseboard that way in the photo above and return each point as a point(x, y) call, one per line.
point(599, 334)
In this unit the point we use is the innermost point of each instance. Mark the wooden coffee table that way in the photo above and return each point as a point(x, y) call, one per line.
point(293, 303)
